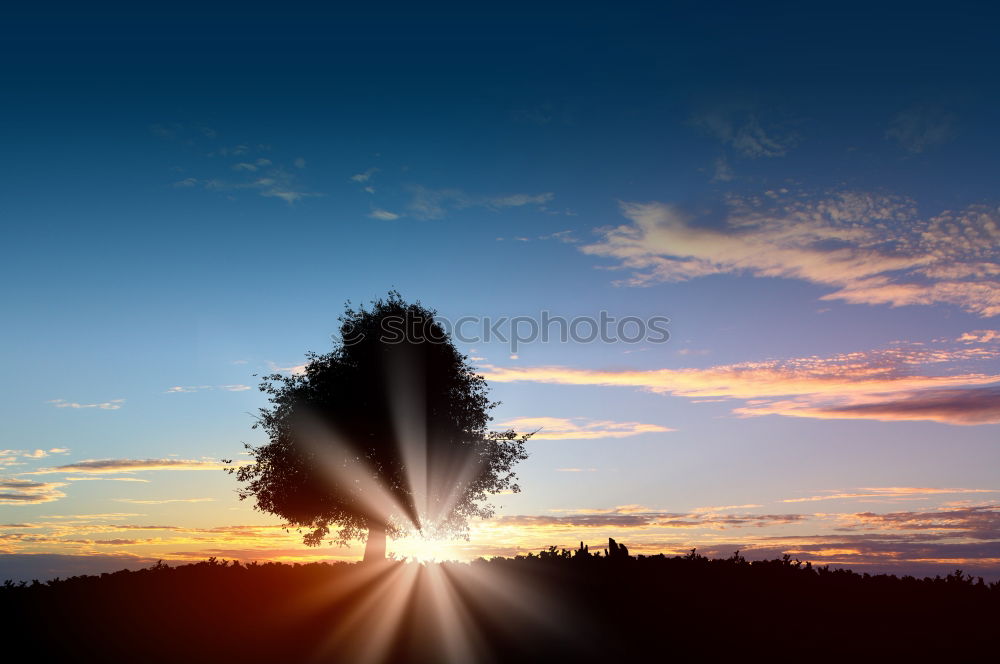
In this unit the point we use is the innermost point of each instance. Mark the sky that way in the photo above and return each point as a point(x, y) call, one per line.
point(808, 194)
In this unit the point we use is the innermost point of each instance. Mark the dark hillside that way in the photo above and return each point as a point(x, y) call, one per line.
point(559, 604)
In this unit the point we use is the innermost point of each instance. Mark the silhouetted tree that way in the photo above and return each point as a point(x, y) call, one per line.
point(385, 434)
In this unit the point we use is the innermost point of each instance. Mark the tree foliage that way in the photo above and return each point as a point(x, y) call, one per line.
point(389, 430)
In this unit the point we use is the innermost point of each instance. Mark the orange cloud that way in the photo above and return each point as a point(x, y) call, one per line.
point(26, 492)
point(579, 428)
point(885, 492)
point(879, 385)
point(109, 466)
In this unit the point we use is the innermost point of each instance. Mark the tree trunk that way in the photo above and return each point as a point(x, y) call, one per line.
point(375, 546)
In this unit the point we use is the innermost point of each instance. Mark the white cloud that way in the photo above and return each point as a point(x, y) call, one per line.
point(362, 178)
point(871, 249)
point(114, 404)
point(267, 179)
point(383, 215)
point(580, 428)
point(436, 203)
point(294, 370)
point(182, 389)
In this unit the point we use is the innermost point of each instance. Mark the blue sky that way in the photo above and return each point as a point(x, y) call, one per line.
point(809, 196)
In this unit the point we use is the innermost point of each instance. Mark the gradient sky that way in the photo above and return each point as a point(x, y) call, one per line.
point(810, 196)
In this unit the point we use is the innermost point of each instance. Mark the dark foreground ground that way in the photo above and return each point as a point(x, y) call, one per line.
point(556, 607)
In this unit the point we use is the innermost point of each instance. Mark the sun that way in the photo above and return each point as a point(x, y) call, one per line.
point(420, 549)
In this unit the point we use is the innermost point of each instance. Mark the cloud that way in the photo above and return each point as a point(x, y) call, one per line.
point(723, 508)
point(260, 175)
point(90, 517)
point(541, 114)
point(295, 370)
point(742, 130)
point(436, 203)
point(104, 479)
point(564, 236)
point(263, 177)
point(885, 492)
point(975, 522)
point(634, 516)
point(979, 336)
point(869, 249)
point(362, 178)
point(114, 404)
point(723, 172)
point(10, 457)
point(181, 389)
point(107, 466)
point(917, 129)
point(383, 215)
point(881, 385)
point(961, 406)
point(25, 492)
point(580, 428)
point(164, 501)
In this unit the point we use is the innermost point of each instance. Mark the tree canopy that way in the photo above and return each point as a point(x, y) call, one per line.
point(388, 433)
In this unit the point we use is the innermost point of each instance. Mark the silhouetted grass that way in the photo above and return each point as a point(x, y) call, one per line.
point(560, 604)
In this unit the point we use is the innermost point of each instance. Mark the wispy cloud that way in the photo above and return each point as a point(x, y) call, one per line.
point(870, 249)
point(108, 466)
point(741, 129)
point(963, 406)
point(295, 369)
point(383, 215)
point(436, 203)
point(181, 389)
point(979, 336)
point(919, 128)
point(885, 492)
point(164, 501)
point(364, 177)
point(19, 457)
point(104, 479)
point(882, 385)
point(114, 404)
point(580, 428)
point(977, 521)
point(25, 492)
point(243, 172)
point(632, 516)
